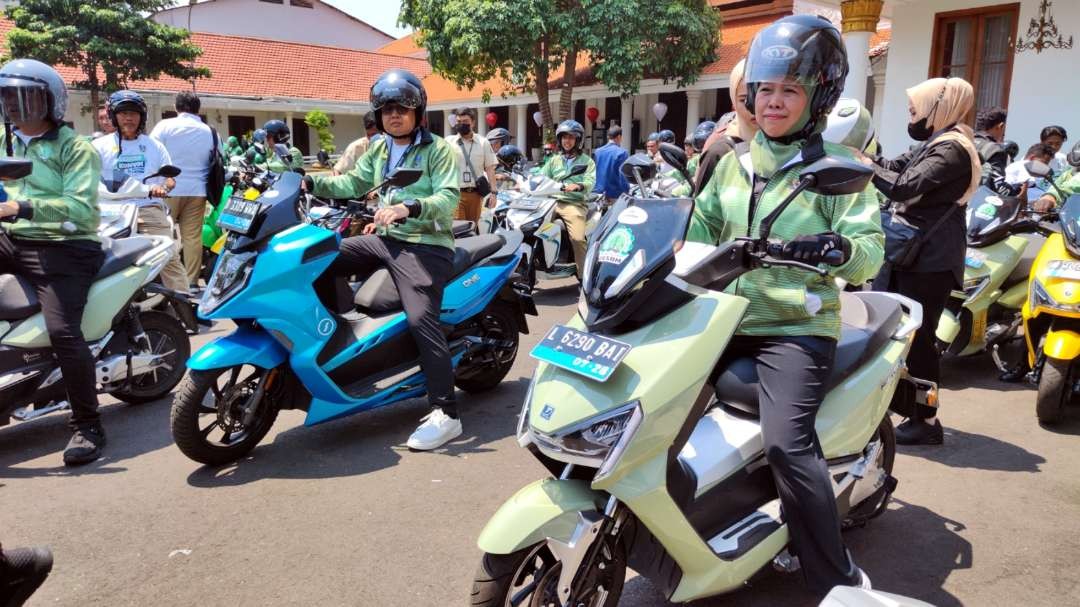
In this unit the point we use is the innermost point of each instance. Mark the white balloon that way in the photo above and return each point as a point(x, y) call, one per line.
point(452, 119)
point(538, 118)
point(659, 110)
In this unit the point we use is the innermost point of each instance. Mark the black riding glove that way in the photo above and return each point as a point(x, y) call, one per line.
point(813, 249)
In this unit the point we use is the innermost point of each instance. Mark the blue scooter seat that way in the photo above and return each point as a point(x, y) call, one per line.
point(378, 295)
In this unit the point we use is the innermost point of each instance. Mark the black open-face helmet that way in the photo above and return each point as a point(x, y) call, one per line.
point(126, 101)
point(805, 50)
point(701, 133)
point(278, 130)
point(401, 87)
point(510, 156)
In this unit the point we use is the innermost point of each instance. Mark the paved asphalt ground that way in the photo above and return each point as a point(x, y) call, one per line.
point(342, 514)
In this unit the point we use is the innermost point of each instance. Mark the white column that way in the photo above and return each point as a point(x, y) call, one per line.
point(626, 121)
point(693, 110)
point(650, 124)
point(858, 51)
point(521, 127)
point(481, 121)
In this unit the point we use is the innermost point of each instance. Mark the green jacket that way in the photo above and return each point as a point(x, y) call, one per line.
point(277, 165)
point(437, 189)
point(783, 300)
point(1068, 181)
point(559, 166)
point(63, 189)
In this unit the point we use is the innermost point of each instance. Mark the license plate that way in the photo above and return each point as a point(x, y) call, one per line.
point(238, 215)
point(1065, 269)
point(526, 204)
point(583, 353)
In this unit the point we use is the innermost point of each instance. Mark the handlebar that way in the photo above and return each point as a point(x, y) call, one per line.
point(774, 256)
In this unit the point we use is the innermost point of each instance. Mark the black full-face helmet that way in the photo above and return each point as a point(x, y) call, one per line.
point(510, 156)
point(401, 87)
point(805, 50)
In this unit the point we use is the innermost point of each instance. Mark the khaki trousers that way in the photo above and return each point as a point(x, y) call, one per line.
point(188, 212)
point(574, 218)
point(469, 207)
point(154, 221)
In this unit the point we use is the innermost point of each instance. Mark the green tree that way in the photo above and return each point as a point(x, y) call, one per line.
point(111, 42)
point(525, 42)
point(318, 120)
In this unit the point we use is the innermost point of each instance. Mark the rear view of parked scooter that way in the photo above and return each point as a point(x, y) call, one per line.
point(139, 355)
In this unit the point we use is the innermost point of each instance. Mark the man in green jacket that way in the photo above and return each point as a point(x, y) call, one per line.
point(53, 243)
point(278, 132)
point(411, 235)
point(572, 205)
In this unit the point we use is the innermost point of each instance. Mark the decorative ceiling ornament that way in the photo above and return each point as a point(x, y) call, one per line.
point(1043, 33)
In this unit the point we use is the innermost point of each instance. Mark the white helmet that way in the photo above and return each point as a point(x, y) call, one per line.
point(850, 124)
point(31, 90)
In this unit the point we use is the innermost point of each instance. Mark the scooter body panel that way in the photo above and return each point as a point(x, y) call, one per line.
point(1062, 344)
point(993, 265)
point(106, 299)
point(244, 346)
point(546, 508)
point(1051, 296)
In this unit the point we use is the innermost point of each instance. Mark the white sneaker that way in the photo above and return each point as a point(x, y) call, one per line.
point(437, 430)
point(864, 580)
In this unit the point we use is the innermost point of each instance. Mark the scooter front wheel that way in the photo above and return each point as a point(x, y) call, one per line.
point(530, 578)
point(1055, 390)
point(218, 416)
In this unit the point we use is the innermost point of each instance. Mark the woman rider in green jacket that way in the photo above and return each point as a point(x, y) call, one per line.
point(793, 319)
point(278, 132)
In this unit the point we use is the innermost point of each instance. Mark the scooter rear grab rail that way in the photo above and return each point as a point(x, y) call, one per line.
point(914, 312)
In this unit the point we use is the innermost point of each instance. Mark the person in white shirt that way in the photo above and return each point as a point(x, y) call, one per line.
point(475, 159)
point(189, 141)
point(1055, 137)
point(130, 150)
point(1016, 174)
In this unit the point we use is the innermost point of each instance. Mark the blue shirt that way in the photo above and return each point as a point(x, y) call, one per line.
point(609, 179)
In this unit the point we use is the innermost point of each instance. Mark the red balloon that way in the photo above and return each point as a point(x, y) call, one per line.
point(592, 114)
point(491, 119)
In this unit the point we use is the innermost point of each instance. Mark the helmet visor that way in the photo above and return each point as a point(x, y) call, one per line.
point(24, 102)
point(795, 54)
point(397, 91)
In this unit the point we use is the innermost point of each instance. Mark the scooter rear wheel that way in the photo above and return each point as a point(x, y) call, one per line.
point(874, 505)
point(485, 366)
point(167, 338)
point(215, 404)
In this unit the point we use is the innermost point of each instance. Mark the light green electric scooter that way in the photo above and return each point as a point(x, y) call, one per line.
point(655, 453)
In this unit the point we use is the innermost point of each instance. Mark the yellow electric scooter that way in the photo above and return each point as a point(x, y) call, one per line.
point(1052, 312)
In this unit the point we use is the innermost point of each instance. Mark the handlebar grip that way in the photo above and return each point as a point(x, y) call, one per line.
point(834, 257)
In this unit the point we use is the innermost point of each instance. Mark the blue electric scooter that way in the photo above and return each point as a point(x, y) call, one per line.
point(289, 351)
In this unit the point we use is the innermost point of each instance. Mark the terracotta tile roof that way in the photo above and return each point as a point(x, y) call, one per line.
point(879, 42)
point(735, 41)
point(403, 47)
point(252, 67)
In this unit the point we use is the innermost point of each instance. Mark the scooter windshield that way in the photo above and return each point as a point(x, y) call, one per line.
point(1070, 224)
point(635, 238)
point(988, 212)
point(114, 180)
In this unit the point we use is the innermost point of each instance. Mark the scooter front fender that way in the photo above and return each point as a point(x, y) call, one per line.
point(547, 508)
point(244, 346)
point(948, 327)
point(1062, 344)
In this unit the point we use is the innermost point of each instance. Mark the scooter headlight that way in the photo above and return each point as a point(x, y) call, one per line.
point(597, 442)
point(1041, 298)
point(230, 276)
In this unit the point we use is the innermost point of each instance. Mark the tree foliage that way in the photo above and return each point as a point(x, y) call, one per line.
point(318, 120)
point(524, 43)
point(111, 42)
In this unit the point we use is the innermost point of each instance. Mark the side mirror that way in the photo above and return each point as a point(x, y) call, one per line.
point(167, 171)
point(282, 152)
point(14, 168)
point(638, 165)
point(833, 176)
point(676, 157)
point(404, 177)
point(578, 169)
point(1038, 168)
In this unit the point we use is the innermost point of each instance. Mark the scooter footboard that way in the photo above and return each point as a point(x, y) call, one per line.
point(547, 508)
point(244, 346)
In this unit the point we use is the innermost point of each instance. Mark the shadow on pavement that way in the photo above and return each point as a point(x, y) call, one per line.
point(968, 450)
point(557, 294)
point(909, 551)
point(367, 442)
point(976, 371)
point(1070, 424)
point(132, 430)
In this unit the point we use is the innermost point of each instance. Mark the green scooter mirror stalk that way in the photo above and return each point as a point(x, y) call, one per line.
point(655, 453)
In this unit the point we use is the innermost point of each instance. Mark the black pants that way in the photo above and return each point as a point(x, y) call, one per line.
point(931, 290)
point(62, 273)
point(420, 273)
point(792, 372)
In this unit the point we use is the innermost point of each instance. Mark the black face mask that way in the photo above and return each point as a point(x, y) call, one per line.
point(464, 129)
point(919, 131)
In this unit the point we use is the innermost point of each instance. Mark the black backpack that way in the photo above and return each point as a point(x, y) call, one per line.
point(215, 174)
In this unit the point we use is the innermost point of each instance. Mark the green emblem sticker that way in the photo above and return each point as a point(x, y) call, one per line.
point(617, 246)
point(986, 211)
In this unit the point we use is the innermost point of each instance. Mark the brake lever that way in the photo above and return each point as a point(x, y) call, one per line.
point(767, 261)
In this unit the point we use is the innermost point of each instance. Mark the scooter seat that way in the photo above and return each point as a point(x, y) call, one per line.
point(379, 295)
point(868, 321)
point(120, 254)
point(18, 300)
point(1023, 267)
point(463, 228)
